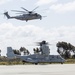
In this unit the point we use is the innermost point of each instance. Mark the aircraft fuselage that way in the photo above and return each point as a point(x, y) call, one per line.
point(37, 58)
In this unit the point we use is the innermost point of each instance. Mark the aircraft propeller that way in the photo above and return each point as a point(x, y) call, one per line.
point(43, 42)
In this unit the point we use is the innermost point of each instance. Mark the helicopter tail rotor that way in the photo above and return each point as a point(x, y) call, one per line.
point(6, 14)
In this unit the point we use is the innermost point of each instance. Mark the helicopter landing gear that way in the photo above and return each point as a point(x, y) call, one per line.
point(26, 20)
point(40, 18)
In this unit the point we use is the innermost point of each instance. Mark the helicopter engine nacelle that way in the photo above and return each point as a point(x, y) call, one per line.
point(45, 49)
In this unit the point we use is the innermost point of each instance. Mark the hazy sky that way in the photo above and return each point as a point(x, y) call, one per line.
point(59, 25)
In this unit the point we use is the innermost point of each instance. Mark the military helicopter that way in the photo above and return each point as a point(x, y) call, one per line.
point(41, 55)
point(25, 15)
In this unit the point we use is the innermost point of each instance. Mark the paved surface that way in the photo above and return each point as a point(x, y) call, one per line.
point(53, 69)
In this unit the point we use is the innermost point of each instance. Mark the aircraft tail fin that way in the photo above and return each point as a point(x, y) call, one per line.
point(7, 15)
point(10, 53)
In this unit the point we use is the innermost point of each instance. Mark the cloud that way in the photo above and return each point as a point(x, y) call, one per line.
point(23, 0)
point(17, 36)
point(44, 2)
point(4, 1)
point(62, 8)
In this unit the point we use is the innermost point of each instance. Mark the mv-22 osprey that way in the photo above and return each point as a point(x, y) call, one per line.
point(42, 56)
point(25, 15)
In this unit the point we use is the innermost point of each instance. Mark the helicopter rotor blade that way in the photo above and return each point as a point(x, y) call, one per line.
point(44, 16)
point(35, 8)
point(24, 9)
point(18, 11)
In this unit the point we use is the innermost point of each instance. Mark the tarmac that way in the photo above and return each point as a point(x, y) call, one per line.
point(49, 69)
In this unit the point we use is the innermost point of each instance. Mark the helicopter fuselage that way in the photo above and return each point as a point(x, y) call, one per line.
point(28, 17)
point(24, 17)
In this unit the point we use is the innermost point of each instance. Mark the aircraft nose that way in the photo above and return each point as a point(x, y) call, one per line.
point(40, 17)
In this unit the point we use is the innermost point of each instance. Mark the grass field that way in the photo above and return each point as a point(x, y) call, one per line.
point(14, 62)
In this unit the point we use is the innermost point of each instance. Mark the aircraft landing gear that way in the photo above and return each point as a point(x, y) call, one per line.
point(61, 62)
point(23, 62)
point(36, 63)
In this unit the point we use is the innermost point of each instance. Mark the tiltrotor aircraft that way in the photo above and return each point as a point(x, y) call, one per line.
point(25, 15)
point(42, 55)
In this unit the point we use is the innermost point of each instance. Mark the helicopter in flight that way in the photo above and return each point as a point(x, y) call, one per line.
point(41, 55)
point(25, 15)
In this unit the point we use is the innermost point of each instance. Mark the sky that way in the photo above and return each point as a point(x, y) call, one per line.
point(59, 25)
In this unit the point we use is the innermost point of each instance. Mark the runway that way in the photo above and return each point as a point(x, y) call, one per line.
point(52, 69)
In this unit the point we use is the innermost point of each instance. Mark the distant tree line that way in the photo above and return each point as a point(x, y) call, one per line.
point(21, 50)
point(66, 50)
